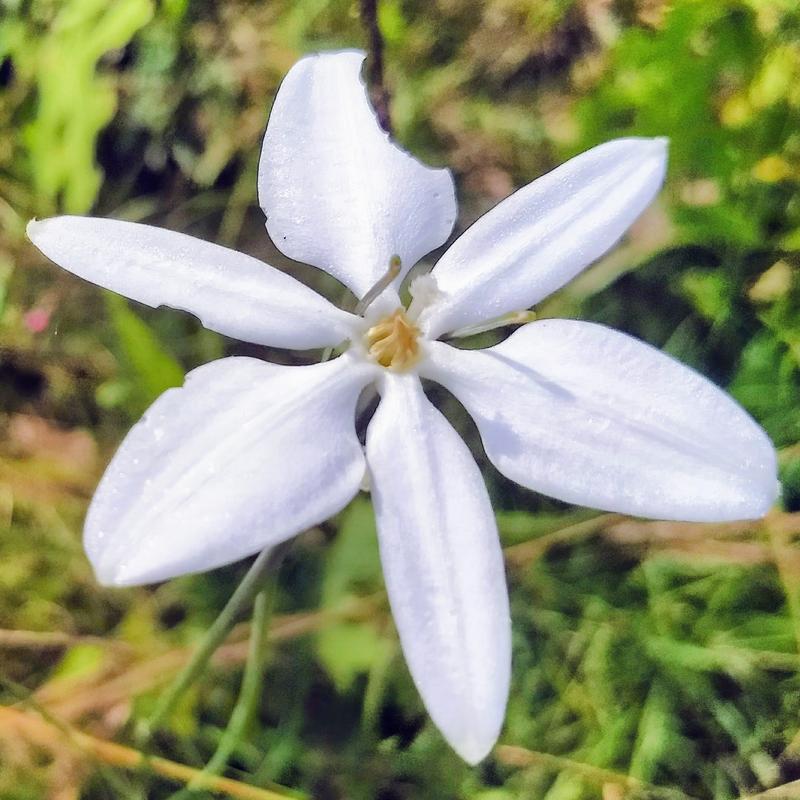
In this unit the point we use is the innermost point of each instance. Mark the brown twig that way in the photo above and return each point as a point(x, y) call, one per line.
point(76, 702)
point(524, 552)
point(379, 93)
point(785, 792)
point(45, 640)
point(521, 757)
point(58, 736)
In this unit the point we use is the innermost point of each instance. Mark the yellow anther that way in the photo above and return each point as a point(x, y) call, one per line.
point(392, 342)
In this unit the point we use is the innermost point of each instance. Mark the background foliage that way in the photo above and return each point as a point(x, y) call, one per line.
point(650, 660)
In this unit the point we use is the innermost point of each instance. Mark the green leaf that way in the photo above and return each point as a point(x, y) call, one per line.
point(61, 60)
point(353, 564)
point(154, 369)
point(81, 660)
point(349, 649)
point(709, 293)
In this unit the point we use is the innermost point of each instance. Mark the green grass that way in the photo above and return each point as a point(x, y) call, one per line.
point(650, 661)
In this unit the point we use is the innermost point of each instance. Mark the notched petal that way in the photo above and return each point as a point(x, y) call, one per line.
point(336, 191)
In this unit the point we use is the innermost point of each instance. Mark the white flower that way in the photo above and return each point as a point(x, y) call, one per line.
point(247, 453)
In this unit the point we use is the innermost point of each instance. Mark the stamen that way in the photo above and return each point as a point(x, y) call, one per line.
point(512, 318)
point(392, 343)
point(366, 301)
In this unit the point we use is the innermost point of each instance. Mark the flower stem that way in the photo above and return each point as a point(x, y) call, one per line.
point(265, 563)
point(249, 693)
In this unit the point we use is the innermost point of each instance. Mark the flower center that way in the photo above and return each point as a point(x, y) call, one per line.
point(392, 342)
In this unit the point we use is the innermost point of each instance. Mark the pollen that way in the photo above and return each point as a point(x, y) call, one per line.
point(393, 342)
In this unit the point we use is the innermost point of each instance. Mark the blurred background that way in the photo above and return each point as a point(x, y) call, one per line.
point(652, 660)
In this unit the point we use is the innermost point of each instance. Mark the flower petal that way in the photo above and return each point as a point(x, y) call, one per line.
point(591, 416)
point(442, 564)
point(229, 291)
point(337, 192)
point(544, 234)
point(243, 456)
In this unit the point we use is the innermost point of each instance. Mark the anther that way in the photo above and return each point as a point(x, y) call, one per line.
point(386, 279)
point(393, 342)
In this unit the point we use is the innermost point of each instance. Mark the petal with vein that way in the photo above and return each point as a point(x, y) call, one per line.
point(591, 416)
point(442, 564)
point(337, 192)
point(245, 455)
point(543, 235)
point(229, 291)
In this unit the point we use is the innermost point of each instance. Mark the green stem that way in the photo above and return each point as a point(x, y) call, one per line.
point(248, 694)
point(245, 592)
